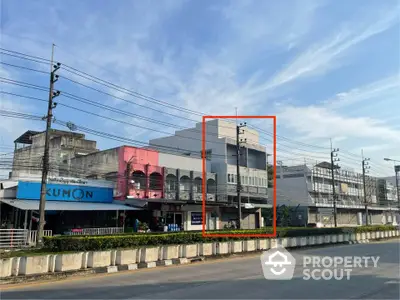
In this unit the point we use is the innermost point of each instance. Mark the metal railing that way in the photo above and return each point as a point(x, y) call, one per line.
point(33, 236)
point(19, 238)
point(95, 231)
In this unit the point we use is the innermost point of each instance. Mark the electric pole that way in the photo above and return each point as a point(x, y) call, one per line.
point(365, 166)
point(239, 131)
point(128, 176)
point(334, 159)
point(397, 171)
point(45, 170)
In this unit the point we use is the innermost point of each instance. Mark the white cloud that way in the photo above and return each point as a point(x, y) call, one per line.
point(379, 90)
point(319, 122)
point(260, 21)
point(373, 148)
point(322, 57)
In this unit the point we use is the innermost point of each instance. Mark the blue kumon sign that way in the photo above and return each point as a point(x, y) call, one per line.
point(63, 192)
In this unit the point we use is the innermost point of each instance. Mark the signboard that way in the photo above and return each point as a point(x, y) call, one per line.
point(196, 218)
point(344, 188)
point(397, 168)
point(62, 192)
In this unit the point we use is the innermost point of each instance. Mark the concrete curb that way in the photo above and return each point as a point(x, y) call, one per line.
point(131, 263)
point(358, 242)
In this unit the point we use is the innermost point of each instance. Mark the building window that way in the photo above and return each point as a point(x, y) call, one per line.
point(229, 177)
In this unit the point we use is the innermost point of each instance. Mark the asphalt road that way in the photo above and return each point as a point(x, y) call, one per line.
point(233, 278)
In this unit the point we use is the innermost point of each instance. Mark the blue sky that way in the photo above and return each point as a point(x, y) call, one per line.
point(326, 69)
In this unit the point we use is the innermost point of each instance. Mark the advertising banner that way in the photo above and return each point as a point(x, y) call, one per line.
point(196, 218)
point(63, 192)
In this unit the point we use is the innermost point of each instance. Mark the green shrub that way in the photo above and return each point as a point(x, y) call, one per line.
point(135, 240)
point(374, 228)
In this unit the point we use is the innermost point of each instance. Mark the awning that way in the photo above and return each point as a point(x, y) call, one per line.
point(65, 206)
point(8, 184)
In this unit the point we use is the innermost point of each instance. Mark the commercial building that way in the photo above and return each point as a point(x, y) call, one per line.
point(167, 186)
point(71, 203)
point(220, 148)
point(308, 190)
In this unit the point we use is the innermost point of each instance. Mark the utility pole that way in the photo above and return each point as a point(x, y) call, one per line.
point(397, 171)
point(45, 170)
point(127, 174)
point(334, 159)
point(268, 179)
point(365, 166)
point(239, 131)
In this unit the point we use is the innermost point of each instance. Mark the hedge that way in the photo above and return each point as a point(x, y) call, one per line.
point(95, 243)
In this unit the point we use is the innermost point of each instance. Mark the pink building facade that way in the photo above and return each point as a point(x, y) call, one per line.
point(139, 175)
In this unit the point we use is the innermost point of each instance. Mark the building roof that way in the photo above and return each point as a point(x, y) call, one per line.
point(327, 165)
point(26, 138)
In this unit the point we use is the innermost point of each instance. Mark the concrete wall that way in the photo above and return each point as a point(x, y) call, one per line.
point(182, 162)
point(99, 163)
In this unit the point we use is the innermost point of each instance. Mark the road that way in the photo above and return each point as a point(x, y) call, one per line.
point(233, 278)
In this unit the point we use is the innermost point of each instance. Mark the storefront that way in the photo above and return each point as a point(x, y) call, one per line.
point(70, 203)
point(181, 217)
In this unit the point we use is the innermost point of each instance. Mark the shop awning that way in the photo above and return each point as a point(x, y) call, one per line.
point(65, 206)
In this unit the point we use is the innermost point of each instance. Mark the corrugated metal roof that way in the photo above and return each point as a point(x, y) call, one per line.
point(26, 138)
point(66, 206)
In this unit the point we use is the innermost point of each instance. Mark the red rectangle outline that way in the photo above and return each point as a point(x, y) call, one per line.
point(204, 182)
